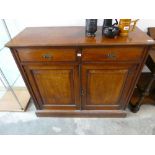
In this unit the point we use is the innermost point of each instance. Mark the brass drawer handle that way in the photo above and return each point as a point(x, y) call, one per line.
point(47, 56)
point(111, 56)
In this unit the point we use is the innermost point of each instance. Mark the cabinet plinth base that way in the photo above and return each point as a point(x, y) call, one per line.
point(81, 113)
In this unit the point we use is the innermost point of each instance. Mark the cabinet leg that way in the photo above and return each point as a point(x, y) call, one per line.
point(134, 108)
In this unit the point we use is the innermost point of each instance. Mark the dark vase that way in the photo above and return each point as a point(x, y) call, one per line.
point(91, 27)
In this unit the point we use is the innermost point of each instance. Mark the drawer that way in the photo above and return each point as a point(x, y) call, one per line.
point(46, 54)
point(112, 54)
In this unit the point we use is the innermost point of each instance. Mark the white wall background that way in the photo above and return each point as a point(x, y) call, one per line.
point(15, 26)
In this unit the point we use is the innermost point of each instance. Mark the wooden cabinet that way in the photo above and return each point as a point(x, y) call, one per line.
point(68, 74)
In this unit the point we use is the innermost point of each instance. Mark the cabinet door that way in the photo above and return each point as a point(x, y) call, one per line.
point(106, 86)
point(55, 86)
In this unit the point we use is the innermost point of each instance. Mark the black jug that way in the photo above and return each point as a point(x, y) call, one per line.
point(91, 27)
point(110, 30)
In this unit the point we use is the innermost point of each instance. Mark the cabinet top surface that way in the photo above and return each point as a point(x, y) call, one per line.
point(73, 36)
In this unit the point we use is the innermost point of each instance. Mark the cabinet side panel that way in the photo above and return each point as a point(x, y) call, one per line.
point(25, 78)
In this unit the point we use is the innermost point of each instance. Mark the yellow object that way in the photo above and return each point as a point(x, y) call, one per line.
point(125, 26)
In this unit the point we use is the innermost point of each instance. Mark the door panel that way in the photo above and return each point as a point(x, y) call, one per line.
point(104, 85)
point(108, 85)
point(57, 86)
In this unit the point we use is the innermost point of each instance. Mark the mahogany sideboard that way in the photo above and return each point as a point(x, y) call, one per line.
point(68, 74)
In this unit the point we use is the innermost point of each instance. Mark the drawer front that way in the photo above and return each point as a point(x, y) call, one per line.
point(112, 54)
point(46, 54)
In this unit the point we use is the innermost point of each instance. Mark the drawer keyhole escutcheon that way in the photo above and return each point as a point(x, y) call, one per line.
point(47, 56)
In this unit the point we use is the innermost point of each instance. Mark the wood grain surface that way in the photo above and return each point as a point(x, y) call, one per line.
point(71, 36)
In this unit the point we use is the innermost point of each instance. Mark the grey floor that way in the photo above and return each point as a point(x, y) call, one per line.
point(21, 123)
